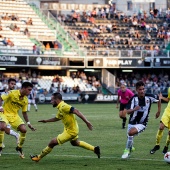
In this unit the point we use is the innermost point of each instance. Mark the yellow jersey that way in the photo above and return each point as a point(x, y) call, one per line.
point(68, 118)
point(168, 106)
point(12, 104)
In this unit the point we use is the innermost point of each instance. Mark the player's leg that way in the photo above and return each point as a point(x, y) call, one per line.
point(11, 132)
point(122, 115)
point(165, 150)
point(61, 138)
point(76, 142)
point(164, 122)
point(131, 132)
point(20, 126)
point(3, 124)
point(45, 151)
point(35, 105)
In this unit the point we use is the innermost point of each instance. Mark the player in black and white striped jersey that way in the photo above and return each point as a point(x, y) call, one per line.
point(31, 100)
point(139, 108)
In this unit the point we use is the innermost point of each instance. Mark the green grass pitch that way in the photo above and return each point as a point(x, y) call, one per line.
point(107, 133)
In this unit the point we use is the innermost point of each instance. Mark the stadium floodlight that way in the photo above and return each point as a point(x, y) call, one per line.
point(91, 70)
point(73, 70)
point(127, 71)
point(2, 68)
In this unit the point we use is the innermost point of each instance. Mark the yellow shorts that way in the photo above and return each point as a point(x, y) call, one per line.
point(166, 118)
point(15, 124)
point(65, 137)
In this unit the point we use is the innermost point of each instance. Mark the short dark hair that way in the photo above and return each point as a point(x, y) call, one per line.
point(27, 84)
point(139, 84)
point(11, 79)
point(57, 96)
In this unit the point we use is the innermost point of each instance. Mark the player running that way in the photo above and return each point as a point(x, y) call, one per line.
point(8, 130)
point(139, 108)
point(12, 103)
point(66, 113)
point(31, 100)
point(124, 96)
point(165, 122)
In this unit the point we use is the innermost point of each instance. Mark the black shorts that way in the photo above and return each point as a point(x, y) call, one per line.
point(122, 106)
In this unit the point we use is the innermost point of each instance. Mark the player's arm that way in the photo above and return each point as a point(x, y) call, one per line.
point(81, 116)
point(166, 99)
point(1, 108)
point(25, 116)
point(118, 98)
point(159, 109)
point(54, 119)
point(129, 111)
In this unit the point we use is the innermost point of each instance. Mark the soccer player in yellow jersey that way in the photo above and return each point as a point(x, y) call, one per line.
point(13, 101)
point(165, 122)
point(66, 113)
point(8, 130)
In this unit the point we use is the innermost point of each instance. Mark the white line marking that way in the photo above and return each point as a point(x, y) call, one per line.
point(95, 157)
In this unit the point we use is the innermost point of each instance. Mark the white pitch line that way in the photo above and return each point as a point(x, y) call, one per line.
point(103, 157)
point(109, 157)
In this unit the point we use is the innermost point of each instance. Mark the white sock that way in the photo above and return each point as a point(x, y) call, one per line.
point(129, 142)
point(13, 133)
point(29, 106)
point(35, 106)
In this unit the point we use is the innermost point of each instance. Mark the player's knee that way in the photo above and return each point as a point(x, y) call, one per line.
point(162, 126)
point(74, 143)
point(2, 126)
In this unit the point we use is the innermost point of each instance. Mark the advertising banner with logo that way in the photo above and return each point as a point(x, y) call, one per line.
point(118, 62)
point(54, 61)
point(41, 98)
point(106, 98)
point(13, 60)
point(162, 62)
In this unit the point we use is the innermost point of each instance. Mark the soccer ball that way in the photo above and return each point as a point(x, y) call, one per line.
point(167, 157)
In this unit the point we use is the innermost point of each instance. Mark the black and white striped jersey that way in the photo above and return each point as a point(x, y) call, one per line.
point(141, 116)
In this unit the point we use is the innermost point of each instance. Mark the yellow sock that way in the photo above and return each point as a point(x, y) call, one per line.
point(167, 140)
point(159, 137)
point(21, 139)
point(45, 151)
point(86, 145)
point(1, 137)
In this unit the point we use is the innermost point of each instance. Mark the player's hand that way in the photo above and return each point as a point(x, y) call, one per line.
point(43, 121)
point(136, 108)
point(89, 125)
point(31, 127)
point(160, 96)
point(157, 115)
point(117, 106)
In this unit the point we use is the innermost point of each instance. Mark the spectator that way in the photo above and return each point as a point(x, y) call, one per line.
point(4, 41)
point(29, 21)
point(10, 43)
point(47, 47)
point(55, 45)
point(148, 37)
point(38, 50)
point(12, 27)
point(34, 49)
point(26, 32)
point(16, 28)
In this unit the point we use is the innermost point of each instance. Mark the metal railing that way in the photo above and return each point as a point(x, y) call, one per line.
point(144, 54)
